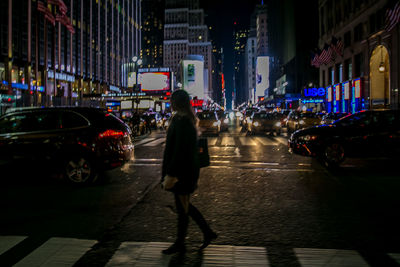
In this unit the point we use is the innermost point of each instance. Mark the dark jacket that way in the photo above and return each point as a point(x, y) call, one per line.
point(181, 154)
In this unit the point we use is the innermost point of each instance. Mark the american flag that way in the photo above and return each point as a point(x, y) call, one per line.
point(392, 17)
point(61, 5)
point(326, 55)
point(315, 59)
point(47, 13)
point(337, 46)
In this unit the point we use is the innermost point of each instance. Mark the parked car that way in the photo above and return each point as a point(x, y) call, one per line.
point(262, 122)
point(366, 133)
point(208, 122)
point(79, 141)
point(299, 120)
point(331, 117)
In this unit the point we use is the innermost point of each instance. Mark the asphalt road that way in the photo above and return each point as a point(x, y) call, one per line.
point(254, 194)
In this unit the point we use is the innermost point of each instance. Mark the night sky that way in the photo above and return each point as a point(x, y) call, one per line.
point(221, 14)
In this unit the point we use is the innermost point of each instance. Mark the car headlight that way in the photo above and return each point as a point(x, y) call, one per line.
point(256, 123)
point(301, 122)
point(307, 137)
point(226, 121)
point(278, 124)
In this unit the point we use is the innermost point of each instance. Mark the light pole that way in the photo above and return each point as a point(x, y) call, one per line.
point(136, 62)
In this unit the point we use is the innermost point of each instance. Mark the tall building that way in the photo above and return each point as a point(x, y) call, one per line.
point(240, 93)
point(250, 70)
point(185, 33)
point(152, 33)
point(52, 51)
point(291, 35)
point(366, 54)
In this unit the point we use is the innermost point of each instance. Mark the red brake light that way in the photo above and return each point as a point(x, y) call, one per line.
point(111, 133)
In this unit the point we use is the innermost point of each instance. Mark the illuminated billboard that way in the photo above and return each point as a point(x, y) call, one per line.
point(193, 76)
point(154, 81)
point(262, 77)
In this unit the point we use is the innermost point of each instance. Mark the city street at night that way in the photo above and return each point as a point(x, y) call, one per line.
point(255, 195)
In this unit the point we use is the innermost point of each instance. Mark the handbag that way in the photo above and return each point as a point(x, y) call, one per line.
point(204, 157)
point(169, 182)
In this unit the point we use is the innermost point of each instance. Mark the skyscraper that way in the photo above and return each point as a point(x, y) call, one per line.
point(66, 49)
point(185, 33)
point(152, 33)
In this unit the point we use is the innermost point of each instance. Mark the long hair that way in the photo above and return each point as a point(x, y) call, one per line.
point(180, 102)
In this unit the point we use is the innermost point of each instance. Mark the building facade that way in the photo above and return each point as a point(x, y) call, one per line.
point(250, 71)
point(152, 33)
point(185, 33)
point(240, 92)
point(57, 52)
point(364, 73)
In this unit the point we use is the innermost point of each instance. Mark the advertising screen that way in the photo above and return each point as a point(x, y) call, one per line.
point(337, 92)
point(357, 88)
point(346, 90)
point(154, 81)
point(193, 77)
point(262, 70)
point(329, 93)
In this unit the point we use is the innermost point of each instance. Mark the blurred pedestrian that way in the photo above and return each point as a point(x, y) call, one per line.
point(181, 164)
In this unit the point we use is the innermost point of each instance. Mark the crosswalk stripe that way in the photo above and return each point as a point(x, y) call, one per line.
point(149, 254)
point(281, 140)
point(311, 257)
point(212, 141)
point(57, 251)
point(266, 141)
point(7, 242)
point(247, 141)
point(155, 142)
point(146, 140)
point(228, 141)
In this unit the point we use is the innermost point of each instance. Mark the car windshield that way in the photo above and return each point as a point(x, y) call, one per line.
point(359, 119)
point(308, 115)
point(262, 116)
point(206, 116)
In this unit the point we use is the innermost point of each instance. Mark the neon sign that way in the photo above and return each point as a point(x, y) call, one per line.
point(337, 92)
point(346, 90)
point(314, 92)
point(357, 88)
point(329, 93)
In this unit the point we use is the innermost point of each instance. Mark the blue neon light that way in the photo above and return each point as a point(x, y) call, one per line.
point(313, 92)
point(313, 101)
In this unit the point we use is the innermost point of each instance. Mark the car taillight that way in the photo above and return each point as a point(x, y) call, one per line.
point(111, 133)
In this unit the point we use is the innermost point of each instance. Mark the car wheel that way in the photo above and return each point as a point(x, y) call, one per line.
point(79, 170)
point(333, 155)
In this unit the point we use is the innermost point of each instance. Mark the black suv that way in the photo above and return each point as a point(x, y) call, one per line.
point(363, 134)
point(79, 141)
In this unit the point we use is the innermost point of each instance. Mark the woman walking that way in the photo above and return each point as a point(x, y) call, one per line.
point(181, 164)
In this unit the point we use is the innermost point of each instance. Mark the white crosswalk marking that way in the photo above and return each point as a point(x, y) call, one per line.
point(228, 141)
point(266, 141)
point(211, 141)
point(155, 142)
point(146, 140)
point(149, 254)
point(57, 252)
point(312, 257)
point(246, 141)
point(7, 242)
point(282, 140)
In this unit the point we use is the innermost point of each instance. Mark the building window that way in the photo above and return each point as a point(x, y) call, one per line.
point(358, 33)
point(347, 39)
